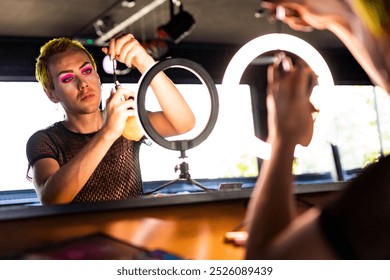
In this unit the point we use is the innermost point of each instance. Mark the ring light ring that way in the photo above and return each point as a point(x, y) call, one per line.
point(203, 76)
point(272, 42)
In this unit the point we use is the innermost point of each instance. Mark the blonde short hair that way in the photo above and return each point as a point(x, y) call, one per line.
point(49, 49)
point(374, 15)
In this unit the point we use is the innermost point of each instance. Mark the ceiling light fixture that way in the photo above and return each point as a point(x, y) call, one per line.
point(157, 48)
point(102, 25)
point(128, 3)
point(179, 26)
point(272, 42)
point(121, 26)
point(259, 13)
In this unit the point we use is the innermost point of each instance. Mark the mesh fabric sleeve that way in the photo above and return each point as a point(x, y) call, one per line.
point(39, 146)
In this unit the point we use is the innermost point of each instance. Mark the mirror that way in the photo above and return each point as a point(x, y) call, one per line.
point(18, 68)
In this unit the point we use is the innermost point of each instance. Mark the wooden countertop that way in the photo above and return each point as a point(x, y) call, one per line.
point(191, 226)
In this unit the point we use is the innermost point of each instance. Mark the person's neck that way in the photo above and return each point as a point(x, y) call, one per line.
point(84, 124)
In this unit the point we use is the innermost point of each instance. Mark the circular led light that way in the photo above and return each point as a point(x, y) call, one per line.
point(144, 83)
point(273, 42)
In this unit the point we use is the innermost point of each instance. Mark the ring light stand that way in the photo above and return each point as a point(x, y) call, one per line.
point(178, 145)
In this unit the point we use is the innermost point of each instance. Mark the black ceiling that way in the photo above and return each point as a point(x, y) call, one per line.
point(218, 23)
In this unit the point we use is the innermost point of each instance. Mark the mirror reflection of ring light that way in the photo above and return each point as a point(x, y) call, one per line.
point(203, 76)
point(271, 42)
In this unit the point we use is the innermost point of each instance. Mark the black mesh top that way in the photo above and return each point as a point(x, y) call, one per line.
point(118, 175)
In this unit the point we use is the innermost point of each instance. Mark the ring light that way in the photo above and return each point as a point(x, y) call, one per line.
point(203, 76)
point(271, 42)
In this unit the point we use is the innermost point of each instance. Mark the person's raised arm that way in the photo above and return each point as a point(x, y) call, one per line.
point(271, 208)
point(363, 26)
point(176, 116)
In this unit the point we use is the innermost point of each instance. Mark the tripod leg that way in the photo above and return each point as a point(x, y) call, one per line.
point(162, 186)
point(199, 185)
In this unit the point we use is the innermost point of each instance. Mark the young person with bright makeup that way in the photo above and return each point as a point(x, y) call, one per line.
point(356, 224)
point(85, 157)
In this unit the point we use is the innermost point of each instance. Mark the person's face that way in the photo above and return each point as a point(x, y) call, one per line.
point(76, 82)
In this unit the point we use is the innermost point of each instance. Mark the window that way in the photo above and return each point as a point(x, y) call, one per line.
point(357, 122)
point(224, 154)
point(25, 109)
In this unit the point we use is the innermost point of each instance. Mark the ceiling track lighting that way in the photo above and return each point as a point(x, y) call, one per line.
point(102, 25)
point(179, 26)
point(157, 48)
point(260, 13)
point(129, 21)
point(128, 3)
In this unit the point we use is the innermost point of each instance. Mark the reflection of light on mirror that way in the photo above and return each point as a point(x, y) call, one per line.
point(270, 42)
